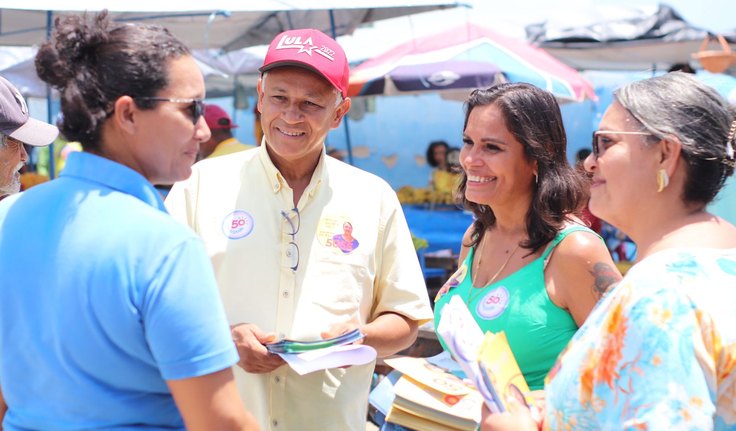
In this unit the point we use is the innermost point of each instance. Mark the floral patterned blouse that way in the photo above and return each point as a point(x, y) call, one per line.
point(657, 353)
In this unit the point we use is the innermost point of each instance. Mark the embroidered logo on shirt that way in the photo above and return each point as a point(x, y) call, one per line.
point(493, 303)
point(238, 224)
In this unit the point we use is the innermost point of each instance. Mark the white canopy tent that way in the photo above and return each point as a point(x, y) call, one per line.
point(223, 25)
point(215, 31)
point(235, 69)
point(218, 24)
point(17, 65)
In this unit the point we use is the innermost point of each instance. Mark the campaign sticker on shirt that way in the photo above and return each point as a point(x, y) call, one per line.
point(493, 303)
point(336, 233)
point(453, 281)
point(238, 224)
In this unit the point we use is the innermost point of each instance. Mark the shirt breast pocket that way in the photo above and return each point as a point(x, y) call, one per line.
point(341, 284)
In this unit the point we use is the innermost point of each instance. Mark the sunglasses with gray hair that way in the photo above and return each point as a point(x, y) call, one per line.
point(678, 104)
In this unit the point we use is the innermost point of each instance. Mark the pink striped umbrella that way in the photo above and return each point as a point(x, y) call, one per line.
point(469, 44)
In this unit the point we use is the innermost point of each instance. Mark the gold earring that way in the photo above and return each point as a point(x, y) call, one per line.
point(663, 180)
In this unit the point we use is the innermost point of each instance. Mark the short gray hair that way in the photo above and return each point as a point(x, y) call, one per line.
point(678, 104)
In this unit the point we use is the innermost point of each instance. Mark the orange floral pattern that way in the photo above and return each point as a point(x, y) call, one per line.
point(658, 352)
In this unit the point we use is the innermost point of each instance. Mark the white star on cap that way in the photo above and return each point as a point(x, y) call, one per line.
point(307, 48)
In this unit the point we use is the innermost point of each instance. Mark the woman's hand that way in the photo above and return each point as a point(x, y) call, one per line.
point(517, 418)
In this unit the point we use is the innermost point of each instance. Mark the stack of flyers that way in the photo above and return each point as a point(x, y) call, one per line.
point(500, 372)
point(464, 338)
point(308, 356)
point(293, 346)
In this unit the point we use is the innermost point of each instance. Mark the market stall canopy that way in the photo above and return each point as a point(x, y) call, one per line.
point(453, 76)
point(220, 24)
point(17, 65)
point(461, 52)
point(633, 41)
point(242, 61)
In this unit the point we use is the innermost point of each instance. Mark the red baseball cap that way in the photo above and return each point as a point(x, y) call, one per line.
point(313, 50)
point(217, 118)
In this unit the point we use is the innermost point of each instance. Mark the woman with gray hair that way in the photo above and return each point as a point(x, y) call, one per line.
point(659, 351)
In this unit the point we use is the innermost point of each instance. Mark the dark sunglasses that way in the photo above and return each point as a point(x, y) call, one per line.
point(196, 107)
point(601, 141)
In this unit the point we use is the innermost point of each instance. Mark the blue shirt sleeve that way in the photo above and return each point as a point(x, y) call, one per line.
point(183, 316)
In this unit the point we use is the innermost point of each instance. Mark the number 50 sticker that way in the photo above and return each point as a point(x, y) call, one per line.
point(238, 224)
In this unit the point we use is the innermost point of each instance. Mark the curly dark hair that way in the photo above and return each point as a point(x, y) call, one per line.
point(93, 62)
point(533, 116)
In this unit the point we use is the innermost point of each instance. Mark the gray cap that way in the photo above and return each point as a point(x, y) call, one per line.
point(15, 121)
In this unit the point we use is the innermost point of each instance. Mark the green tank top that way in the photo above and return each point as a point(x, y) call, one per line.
point(536, 328)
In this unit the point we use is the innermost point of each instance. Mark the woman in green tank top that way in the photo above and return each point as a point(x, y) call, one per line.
point(527, 266)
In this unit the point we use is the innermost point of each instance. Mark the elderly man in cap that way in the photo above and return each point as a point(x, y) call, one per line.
point(268, 218)
point(17, 128)
point(222, 141)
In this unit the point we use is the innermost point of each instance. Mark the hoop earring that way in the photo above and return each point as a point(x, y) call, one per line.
point(663, 180)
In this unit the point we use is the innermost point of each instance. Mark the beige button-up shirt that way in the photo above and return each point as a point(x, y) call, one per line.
point(352, 259)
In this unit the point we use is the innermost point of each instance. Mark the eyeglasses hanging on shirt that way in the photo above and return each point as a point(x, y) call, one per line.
point(293, 219)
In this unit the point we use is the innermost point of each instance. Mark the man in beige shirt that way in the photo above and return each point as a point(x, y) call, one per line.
point(304, 246)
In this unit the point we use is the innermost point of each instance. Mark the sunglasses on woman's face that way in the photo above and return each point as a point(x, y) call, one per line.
point(196, 105)
point(602, 140)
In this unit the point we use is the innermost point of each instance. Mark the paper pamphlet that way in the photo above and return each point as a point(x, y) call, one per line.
point(428, 397)
point(406, 419)
point(444, 360)
point(487, 359)
point(296, 346)
point(500, 371)
point(382, 396)
point(463, 337)
point(421, 370)
point(329, 357)
point(435, 406)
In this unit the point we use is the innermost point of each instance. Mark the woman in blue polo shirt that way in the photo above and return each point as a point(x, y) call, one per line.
point(109, 311)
